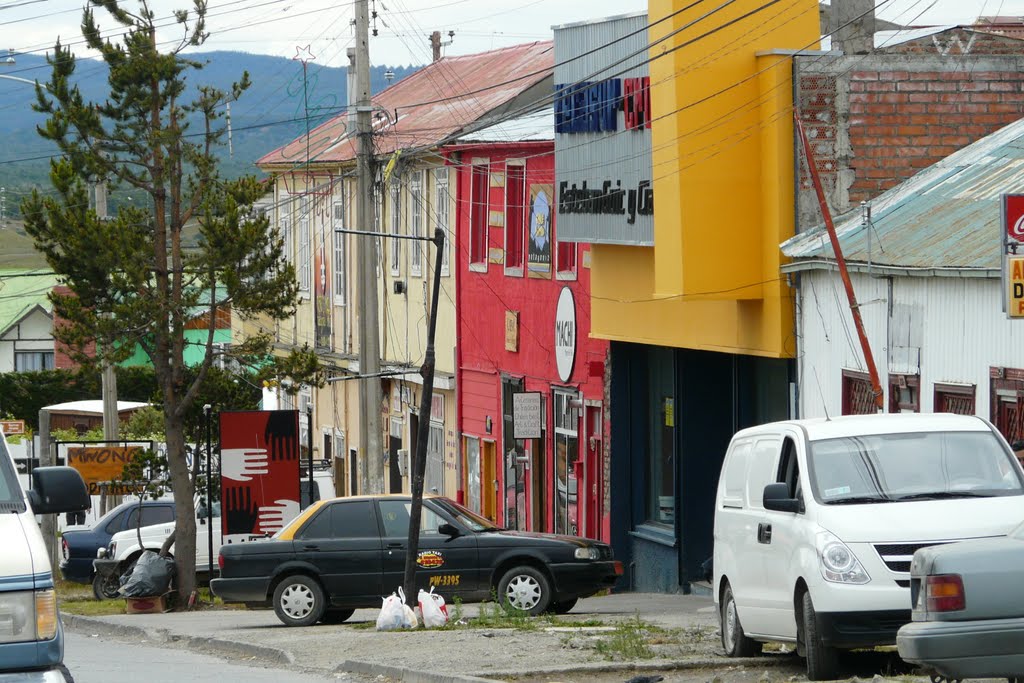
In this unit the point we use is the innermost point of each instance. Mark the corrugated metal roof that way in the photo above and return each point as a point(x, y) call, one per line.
point(20, 292)
point(946, 217)
point(532, 127)
point(467, 85)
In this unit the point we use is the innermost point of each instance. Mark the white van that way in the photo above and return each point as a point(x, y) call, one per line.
point(816, 522)
point(31, 639)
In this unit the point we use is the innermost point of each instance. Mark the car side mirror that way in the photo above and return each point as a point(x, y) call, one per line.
point(58, 489)
point(776, 497)
point(448, 530)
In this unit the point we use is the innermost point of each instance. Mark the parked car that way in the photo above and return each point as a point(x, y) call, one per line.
point(816, 522)
point(124, 550)
point(79, 544)
point(968, 609)
point(345, 553)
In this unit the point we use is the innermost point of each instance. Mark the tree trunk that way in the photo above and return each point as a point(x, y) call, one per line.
point(184, 505)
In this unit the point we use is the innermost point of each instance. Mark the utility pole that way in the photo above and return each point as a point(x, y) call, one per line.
point(111, 431)
point(372, 469)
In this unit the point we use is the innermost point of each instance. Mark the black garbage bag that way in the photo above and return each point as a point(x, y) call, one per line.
point(151, 576)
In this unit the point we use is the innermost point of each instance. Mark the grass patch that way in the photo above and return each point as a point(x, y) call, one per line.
point(631, 640)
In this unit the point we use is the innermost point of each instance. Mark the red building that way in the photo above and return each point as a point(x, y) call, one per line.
point(523, 303)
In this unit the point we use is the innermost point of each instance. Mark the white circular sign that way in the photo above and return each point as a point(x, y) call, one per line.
point(565, 334)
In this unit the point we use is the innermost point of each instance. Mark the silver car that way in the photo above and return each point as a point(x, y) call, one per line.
point(968, 609)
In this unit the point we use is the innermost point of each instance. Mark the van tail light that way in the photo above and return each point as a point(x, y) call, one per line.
point(64, 549)
point(945, 593)
point(220, 561)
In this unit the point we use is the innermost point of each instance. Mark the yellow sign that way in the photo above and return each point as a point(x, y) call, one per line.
point(512, 331)
point(98, 464)
point(1015, 286)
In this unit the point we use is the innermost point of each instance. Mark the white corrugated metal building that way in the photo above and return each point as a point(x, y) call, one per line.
point(926, 273)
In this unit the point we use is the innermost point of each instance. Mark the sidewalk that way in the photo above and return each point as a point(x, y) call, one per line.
point(448, 656)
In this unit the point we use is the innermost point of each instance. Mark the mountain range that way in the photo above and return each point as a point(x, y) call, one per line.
point(272, 112)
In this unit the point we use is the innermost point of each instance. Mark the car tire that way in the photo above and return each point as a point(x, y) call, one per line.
point(525, 589)
point(734, 640)
point(106, 587)
point(299, 600)
point(563, 606)
point(822, 660)
point(336, 616)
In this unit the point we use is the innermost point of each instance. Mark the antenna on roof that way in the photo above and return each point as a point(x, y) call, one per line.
point(824, 405)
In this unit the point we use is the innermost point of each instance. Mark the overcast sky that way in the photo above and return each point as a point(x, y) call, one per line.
point(278, 27)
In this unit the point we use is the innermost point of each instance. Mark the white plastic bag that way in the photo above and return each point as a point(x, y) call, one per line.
point(392, 614)
point(409, 619)
point(433, 609)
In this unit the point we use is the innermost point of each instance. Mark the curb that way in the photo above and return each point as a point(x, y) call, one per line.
point(405, 675)
point(82, 624)
point(660, 665)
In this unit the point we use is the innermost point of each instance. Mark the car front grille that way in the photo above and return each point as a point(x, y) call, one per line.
point(897, 557)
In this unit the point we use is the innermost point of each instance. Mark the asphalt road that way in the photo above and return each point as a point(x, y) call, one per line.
point(99, 660)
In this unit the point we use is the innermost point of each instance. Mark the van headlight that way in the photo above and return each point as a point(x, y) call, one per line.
point(587, 553)
point(26, 616)
point(838, 563)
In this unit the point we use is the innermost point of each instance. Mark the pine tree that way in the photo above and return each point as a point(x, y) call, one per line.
point(192, 249)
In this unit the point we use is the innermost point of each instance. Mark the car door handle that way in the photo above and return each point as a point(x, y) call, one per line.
point(311, 546)
point(764, 533)
point(395, 546)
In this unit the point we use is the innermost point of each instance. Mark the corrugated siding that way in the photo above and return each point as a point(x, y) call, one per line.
point(595, 158)
point(963, 333)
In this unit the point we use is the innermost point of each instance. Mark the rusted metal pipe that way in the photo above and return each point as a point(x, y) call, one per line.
point(869, 359)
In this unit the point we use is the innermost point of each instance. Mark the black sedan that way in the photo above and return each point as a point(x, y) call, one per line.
point(345, 553)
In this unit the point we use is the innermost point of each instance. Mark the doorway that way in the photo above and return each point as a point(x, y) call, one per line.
point(489, 480)
point(395, 456)
point(591, 486)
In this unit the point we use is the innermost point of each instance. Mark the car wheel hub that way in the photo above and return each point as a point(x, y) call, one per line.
point(523, 593)
point(297, 602)
point(730, 622)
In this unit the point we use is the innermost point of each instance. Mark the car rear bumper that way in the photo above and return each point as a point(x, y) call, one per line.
point(78, 570)
point(850, 630)
point(584, 578)
point(241, 590)
point(993, 648)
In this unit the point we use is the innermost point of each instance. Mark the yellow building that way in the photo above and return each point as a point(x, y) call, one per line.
point(701, 322)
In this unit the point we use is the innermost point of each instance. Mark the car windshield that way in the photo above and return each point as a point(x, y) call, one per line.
point(467, 518)
point(10, 489)
point(911, 466)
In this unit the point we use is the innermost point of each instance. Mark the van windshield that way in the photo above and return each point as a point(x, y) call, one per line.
point(10, 489)
point(911, 466)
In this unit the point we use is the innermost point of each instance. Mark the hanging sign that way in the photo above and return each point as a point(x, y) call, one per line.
point(565, 334)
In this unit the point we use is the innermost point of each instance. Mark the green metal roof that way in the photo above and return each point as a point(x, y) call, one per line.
point(20, 292)
point(942, 221)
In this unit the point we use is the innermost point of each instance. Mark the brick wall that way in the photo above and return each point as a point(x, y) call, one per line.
point(876, 120)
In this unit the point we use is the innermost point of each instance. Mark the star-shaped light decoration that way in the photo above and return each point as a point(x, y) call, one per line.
point(303, 54)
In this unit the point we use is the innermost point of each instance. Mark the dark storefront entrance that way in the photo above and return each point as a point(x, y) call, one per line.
point(673, 413)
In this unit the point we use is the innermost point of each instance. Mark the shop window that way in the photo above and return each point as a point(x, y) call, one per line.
point(433, 481)
point(514, 452)
point(284, 226)
point(441, 210)
point(416, 226)
point(565, 260)
point(858, 397)
point(396, 227)
point(478, 216)
point(515, 218)
point(340, 264)
point(1007, 411)
point(661, 407)
point(904, 393)
point(567, 444)
point(305, 241)
point(954, 398)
